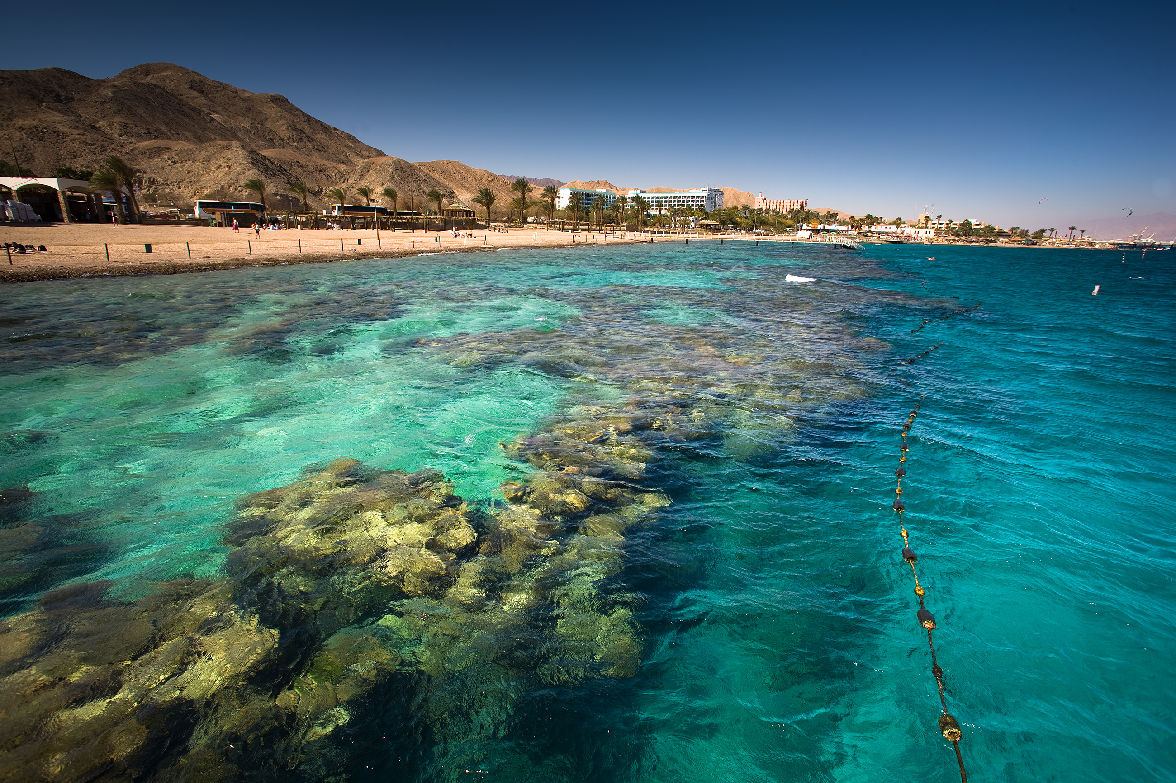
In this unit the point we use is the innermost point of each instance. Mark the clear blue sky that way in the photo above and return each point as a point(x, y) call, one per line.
point(980, 109)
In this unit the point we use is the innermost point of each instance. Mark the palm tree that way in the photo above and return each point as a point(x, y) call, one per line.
point(438, 196)
point(391, 194)
point(365, 193)
point(258, 187)
point(337, 196)
point(1052, 231)
point(1072, 230)
point(1083, 233)
point(642, 206)
point(523, 188)
point(575, 203)
point(550, 194)
point(486, 198)
point(125, 176)
point(622, 203)
point(105, 180)
point(300, 189)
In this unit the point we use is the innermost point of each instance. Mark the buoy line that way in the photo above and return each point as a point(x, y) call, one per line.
point(949, 727)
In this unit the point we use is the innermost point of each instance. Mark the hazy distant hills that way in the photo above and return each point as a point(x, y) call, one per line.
point(1162, 224)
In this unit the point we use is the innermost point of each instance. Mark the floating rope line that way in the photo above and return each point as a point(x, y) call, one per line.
point(948, 725)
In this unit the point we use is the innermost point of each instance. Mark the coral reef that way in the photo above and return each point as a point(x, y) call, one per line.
point(341, 585)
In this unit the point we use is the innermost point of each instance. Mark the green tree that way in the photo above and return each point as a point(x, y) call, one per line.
point(69, 172)
point(575, 204)
point(299, 188)
point(1038, 235)
point(486, 198)
point(1072, 229)
point(550, 194)
point(258, 187)
point(641, 206)
point(966, 228)
point(13, 170)
point(436, 196)
point(366, 194)
point(337, 196)
point(391, 194)
point(105, 180)
point(615, 210)
point(523, 188)
point(127, 177)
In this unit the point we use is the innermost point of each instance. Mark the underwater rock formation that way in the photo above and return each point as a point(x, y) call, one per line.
point(341, 586)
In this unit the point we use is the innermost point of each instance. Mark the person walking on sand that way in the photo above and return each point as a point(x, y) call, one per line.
point(235, 227)
point(257, 229)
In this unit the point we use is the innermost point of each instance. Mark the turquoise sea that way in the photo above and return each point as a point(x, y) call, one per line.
point(728, 601)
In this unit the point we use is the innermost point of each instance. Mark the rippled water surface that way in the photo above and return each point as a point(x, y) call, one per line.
point(608, 514)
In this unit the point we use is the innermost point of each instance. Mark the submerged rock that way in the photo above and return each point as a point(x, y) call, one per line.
point(341, 586)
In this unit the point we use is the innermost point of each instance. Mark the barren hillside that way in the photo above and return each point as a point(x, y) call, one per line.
point(189, 134)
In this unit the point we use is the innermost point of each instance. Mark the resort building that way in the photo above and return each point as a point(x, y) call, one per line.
point(587, 197)
point(778, 204)
point(708, 199)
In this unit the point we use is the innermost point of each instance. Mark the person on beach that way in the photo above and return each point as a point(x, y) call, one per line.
point(257, 230)
point(235, 227)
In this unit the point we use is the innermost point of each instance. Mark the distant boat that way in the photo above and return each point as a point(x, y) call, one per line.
point(1140, 242)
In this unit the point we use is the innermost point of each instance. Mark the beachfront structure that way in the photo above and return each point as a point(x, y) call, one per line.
point(707, 199)
point(905, 230)
point(355, 210)
point(70, 201)
point(224, 212)
point(587, 197)
point(779, 204)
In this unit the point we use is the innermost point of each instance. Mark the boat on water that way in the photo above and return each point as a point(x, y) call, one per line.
point(1140, 242)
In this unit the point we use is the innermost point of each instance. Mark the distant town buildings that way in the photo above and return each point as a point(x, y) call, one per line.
point(707, 199)
point(779, 205)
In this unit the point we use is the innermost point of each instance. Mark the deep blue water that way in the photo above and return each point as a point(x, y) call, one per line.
point(776, 616)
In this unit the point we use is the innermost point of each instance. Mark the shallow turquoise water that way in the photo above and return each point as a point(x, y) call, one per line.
point(777, 619)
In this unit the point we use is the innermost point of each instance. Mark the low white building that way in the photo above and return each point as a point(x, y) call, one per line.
point(905, 230)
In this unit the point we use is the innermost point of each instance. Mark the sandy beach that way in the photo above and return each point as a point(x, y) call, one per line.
point(91, 250)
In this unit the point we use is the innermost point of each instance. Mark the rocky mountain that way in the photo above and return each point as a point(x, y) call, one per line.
point(539, 182)
point(192, 136)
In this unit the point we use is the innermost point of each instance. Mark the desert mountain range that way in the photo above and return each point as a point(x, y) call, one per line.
point(192, 136)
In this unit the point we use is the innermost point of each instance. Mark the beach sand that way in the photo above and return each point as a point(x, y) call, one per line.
point(81, 250)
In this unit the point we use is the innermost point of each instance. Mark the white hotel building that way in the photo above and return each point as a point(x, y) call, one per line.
point(707, 199)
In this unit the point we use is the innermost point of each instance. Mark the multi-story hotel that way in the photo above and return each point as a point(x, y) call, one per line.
point(587, 197)
point(708, 199)
point(779, 205)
